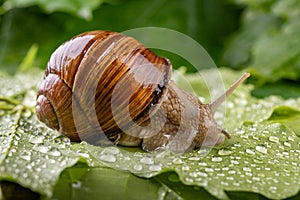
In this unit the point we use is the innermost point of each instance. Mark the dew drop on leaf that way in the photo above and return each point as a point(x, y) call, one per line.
point(138, 167)
point(209, 170)
point(185, 168)
point(291, 138)
point(76, 184)
point(108, 158)
point(247, 169)
point(250, 152)
point(177, 161)
point(224, 152)
point(26, 157)
point(235, 162)
point(155, 168)
point(216, 159)
point(84, 154)
point(147, 160)
point(36, 139)
point(54, 153)
point(111, 150)
point(287, 144)
point(194, 158)
point(203, 174)
point(203, 164)
point(261, 149)
point(42, 149)
point(273, 139)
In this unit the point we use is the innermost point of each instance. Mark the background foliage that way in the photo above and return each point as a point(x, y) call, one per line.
point(259, 36)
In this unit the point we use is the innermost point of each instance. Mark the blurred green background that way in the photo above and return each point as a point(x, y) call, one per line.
point(260, 36)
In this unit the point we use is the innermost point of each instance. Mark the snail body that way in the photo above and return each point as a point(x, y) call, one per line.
point(102, 86)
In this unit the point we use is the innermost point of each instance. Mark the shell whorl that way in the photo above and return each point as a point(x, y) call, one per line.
point(105, 73)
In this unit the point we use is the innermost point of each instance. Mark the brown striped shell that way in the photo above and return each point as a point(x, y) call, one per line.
point(88, 69)
point(102, 86)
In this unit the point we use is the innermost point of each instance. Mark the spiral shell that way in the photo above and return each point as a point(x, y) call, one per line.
point(101, 82)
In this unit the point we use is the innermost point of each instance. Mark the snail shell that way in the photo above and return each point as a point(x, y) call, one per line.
point(103, 86)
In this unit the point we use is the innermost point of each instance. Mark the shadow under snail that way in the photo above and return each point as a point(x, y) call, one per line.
point(102, 86)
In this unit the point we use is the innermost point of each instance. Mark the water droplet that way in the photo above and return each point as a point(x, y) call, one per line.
point(108, 158)
point(273, 139)
point(185, 168)
point(194, 158)
point(193, 174)
point(25, 175)
point(273, 188)
point(83, 153)
point(155, 168)
point(177, 161)
point(224, 152)
point(42, 149)
point(138, 167)
point(203, 151)
point(216, 159)
point(236, 184)
point(235, 162)
point(147, 160)
point(261, 149)
point(54, 153)
point(224, 183)
point(209, 170)
point(287, 144)
point(225, 168)
point(26, 157)
point(203, 174)
point(291, 138)
point(36, 139)
point(250, 152)
point(189, 180)
point(247, 169)
point(240, 132)
point(231, 172)
point(76, 184)
point(237, 145)
point(202, 164)
point(230, 178)
point(285, 153)
point(111, 150)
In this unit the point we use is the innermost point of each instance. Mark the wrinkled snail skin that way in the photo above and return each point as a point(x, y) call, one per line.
point(103, 84)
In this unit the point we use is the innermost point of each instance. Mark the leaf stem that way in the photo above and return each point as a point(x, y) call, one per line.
point(9, 100)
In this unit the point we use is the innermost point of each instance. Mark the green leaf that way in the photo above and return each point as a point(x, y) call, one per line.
point(273, 53)
point(288, 116)
point(22, 27)
point(268, 41)
point(80, 8)
point(255, 23)
point(31, 155)
point(81, 182)
point(105, 183)
point(261, 159)
point(249, 162)
point(291, 89)
point(28, 60)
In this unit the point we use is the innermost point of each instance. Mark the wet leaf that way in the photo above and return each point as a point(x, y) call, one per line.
point(261, 159)
point(30, 154)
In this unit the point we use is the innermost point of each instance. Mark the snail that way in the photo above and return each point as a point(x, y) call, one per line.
point(102, 86)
